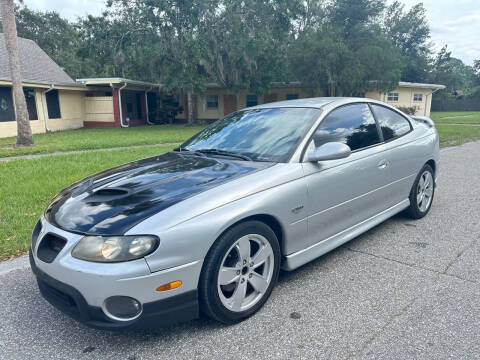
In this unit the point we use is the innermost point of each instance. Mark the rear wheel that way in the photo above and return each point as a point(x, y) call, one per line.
point(421, 194)
point(239, 272)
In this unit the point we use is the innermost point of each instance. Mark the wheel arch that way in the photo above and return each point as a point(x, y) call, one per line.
point(432, 164)
point(271, 221)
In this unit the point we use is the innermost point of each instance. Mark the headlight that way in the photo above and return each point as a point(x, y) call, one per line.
point(115, 248)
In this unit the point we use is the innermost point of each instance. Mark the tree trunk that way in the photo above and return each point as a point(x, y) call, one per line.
point(24, 132)
point(190, 108)
point(332, 89)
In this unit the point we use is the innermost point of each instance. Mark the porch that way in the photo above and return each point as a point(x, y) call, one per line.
point(117, 102)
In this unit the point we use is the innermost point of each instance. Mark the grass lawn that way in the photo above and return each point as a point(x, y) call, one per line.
point(461, 117)
point(452, 135)
point(29, 184)
point(88, 139)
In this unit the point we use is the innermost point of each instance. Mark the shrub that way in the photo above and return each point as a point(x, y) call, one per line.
point(409, 110)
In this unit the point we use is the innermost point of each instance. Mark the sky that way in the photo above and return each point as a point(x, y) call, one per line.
point(452, 22)
point(455, 23)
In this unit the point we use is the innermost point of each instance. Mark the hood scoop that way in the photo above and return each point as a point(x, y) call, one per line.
point(107, 194)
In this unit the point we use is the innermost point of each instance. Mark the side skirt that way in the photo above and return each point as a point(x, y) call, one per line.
point(306, 255)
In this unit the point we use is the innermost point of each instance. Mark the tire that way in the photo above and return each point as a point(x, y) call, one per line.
point(232, 287)
point(418, 209)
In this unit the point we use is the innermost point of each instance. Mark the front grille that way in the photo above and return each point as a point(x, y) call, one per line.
point(49, 247)
point(58, 297)
point(35, 233)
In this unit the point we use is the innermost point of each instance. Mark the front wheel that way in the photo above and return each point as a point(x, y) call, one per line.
point(421, 194)
point(239, 272)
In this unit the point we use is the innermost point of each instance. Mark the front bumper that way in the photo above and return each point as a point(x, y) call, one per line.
point(178, 308)
point(80, 288)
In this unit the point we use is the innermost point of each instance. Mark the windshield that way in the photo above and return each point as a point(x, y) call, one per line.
point(259, 134)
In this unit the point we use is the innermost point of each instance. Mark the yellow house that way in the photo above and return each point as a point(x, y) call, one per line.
point(54, 100)
point(409, 95)
point(218, 102)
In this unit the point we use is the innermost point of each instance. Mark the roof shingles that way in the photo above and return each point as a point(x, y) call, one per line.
point(35, 65)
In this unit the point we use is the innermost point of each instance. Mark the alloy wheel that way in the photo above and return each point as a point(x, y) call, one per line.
point(245, 273)
point(425, 191)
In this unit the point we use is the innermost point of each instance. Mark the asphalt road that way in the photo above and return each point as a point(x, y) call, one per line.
point(404, 290)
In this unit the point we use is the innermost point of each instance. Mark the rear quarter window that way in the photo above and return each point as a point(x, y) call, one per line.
point(393, 124)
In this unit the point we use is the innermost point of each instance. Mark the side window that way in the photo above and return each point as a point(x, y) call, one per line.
point(353, 125)
point(31, 103)
point(212, 101)
point(418, 97)
point(53, 106)
point(392, 96)
point(392, 124)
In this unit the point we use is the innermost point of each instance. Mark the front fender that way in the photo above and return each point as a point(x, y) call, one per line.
point(190, 240)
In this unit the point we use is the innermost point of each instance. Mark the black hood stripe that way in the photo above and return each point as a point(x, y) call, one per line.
point(130, 193)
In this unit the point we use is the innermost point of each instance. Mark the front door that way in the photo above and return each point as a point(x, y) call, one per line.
point(229, 104)
point(6, 104)
point(345, 192)
point(404, 161)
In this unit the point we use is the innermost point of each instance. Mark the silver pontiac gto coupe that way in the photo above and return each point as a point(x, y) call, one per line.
point(208, 226)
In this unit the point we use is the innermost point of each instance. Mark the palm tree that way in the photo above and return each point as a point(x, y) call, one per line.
point(24, 132)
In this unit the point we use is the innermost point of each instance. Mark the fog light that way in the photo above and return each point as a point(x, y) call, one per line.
point(122, 308)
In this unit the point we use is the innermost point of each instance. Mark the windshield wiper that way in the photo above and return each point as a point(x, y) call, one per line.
point(185, 150)
point(180, 149)
point(224, 153)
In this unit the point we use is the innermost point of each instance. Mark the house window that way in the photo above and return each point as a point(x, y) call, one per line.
point(6, 104)
point(31, 104)
point(212, 101)
point(418, 97)
point(252, 100)
point(392, 96)
point(292, 96)
point(53, 105)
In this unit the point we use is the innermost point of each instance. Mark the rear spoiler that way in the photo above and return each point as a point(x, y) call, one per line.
point(424, 120)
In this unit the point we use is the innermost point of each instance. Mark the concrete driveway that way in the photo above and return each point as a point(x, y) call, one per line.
point(404, 290)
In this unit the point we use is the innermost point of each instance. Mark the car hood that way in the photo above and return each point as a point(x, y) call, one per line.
point(113, 201)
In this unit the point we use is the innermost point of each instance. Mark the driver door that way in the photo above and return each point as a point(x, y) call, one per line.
point(345, 192)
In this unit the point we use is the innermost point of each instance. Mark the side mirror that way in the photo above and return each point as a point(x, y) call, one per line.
point(329, 151)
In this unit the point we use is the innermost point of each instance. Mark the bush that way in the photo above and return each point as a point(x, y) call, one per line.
point(167, 108)
point(409, 110)
point(474, 93)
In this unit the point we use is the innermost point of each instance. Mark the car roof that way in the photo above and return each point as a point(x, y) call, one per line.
point(317, 102)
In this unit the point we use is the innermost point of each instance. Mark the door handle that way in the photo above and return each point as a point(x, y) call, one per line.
point(383, 164)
